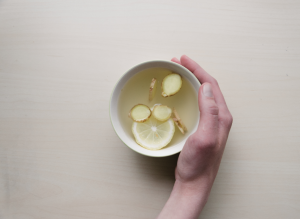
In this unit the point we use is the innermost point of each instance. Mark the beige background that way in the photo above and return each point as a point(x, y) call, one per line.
point(59, 61)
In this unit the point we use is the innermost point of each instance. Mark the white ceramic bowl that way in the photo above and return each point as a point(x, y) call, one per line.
point(129, 140)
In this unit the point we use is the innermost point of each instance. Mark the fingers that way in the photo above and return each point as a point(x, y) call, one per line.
point(176, 60)
point(209, 121)
point(199, 72)
point(203, 77)
point(225, 118)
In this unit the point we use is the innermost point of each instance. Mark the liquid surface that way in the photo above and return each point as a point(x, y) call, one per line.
point(136, 91)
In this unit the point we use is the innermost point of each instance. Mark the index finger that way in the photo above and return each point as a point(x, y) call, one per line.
point(225, 118)
point(203, 77)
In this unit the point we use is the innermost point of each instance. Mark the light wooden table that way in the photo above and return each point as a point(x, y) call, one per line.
point(59, 61)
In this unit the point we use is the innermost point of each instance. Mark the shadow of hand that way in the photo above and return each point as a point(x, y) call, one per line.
point(158, 169)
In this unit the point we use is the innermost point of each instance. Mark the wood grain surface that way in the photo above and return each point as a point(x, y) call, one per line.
point(59, 61)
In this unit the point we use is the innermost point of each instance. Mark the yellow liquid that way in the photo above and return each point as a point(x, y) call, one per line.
point(136, 91)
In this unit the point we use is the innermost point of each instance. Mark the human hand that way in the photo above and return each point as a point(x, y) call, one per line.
point(200, 158)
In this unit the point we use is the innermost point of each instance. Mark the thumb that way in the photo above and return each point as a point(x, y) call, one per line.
point(209, 113)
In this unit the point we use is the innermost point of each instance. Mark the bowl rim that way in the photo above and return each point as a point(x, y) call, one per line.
point(120, 78)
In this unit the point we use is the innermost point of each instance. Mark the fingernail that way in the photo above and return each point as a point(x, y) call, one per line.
point(207, 90)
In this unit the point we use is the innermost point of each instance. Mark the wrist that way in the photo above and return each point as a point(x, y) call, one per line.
point(187, 200)
point(196, 192)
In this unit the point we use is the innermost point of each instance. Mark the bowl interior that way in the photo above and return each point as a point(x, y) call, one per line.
point(129, 140)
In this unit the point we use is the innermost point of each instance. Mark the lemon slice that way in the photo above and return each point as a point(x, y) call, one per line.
point(153, 134)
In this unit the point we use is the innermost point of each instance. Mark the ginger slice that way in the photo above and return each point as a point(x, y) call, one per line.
point(179, 122)
point(157, 104)
point(140, 113)
point(152, 89)
point(162, 112)
point(171, 84)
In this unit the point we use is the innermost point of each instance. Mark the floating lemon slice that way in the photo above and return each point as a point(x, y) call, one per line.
point(153, 134)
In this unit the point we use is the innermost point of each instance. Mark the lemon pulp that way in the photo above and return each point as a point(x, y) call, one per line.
point(153, 134)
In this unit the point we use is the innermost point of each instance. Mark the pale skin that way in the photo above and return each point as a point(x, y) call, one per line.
point(199, 161)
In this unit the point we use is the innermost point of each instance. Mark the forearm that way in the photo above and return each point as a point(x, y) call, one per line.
point(186, 201)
